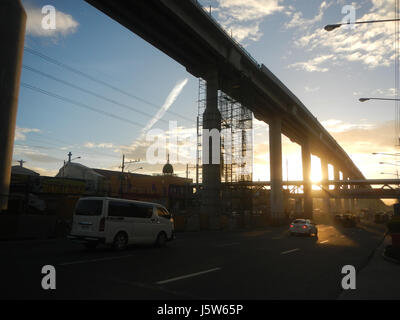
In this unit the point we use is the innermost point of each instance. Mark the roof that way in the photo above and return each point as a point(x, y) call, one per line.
point(111, 173)
point(22, 170)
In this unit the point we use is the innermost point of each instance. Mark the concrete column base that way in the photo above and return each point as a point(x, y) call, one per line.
point(192, 223)
point(214, 222)
point(278, 221)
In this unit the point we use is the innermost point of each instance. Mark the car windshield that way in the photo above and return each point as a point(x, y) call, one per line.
point(299, 221)
point(89, 208)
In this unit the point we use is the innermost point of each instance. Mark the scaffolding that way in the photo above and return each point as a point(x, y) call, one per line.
point(236, 137)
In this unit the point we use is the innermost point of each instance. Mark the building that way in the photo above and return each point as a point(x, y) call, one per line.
point(158, 188)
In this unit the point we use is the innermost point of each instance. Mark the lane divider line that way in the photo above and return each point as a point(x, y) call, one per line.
point(228, 244)
point(187, 276)
point(94, 260)
point(325, 241)
point(289, 251)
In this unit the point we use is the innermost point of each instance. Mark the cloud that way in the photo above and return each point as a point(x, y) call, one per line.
point(65, 23)
point(20, 133)
point(243, 18)
point(369, 44)
point(299, 22)
point(311, 89)
point(167, 104)
point(44, 172)
point(314, 64)
point(336, 126)
point(31, 153)
point(103, 145)
point(139, 147)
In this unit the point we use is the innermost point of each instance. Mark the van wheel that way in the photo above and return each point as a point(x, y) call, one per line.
point(161, 240)
point(120, 241)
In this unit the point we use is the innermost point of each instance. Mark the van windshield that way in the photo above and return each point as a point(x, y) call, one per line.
point(89, 208)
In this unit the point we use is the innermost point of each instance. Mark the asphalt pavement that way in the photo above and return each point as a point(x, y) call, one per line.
point(235, 265)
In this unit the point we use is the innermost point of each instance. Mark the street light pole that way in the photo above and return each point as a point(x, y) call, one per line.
point(392, 174)
point(386, 154)
point(385, 99)
point(122, 172)
point(331, 27)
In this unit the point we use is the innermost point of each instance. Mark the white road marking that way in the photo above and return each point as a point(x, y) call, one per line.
point(324, 241)
point(289, 251)
point(94, 260)
point(187, 276)
point(228, 244)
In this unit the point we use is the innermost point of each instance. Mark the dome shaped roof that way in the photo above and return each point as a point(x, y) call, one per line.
point(168, 168)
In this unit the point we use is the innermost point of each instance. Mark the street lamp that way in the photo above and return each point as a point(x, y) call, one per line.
point(392, 174)
point(331, 27)
point(386, 154)
point(386, 99)
point(392, 164)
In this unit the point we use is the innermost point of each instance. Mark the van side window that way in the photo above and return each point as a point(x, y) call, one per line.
point(89, 207)
point(161, 212)
point(129, 210)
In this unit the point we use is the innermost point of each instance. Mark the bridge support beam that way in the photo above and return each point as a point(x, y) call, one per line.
point(325, 177)
point(348, 200)
point(306, 160)
point(12, 34)
point(345, 200)
point(338, 201)
point(275, 160)
point(211, 193)
point(353, 205)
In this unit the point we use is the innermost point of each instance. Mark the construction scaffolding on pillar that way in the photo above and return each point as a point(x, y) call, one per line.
point(236, 137)
point(236, 148)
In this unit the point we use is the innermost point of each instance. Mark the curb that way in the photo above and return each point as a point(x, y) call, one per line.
point(390, 259)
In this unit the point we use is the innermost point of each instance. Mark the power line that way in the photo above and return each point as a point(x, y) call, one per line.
point(87, 76)
point(79, 104)
point(88, 91)
point(59, 146)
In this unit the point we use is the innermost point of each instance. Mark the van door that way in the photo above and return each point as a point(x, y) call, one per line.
point(119, 219)
point(88, 213)
point(144, 221)
point(131, 217)
point(165, 223)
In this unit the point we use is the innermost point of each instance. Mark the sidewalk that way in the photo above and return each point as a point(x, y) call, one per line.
point(379, 279)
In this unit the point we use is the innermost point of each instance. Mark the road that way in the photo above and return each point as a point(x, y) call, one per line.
point(246, 264)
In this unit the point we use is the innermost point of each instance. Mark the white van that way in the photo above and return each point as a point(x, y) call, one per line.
point(120, 222)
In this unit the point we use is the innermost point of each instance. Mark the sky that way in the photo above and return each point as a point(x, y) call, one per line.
point(98, 90)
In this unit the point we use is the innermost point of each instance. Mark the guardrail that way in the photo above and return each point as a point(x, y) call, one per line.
point(219, 26)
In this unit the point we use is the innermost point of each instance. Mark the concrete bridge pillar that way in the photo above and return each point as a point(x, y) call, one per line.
point(211, 193)
point(306, 160)
point(275, 160)
point(325, 177)
point(12, 34)
point(349, 202)
point(338, 201)
point(345, 200)
point(353, 206)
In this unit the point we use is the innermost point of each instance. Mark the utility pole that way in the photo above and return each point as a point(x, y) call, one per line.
point(122, 174)
point(122, 171)
point(69, 156)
